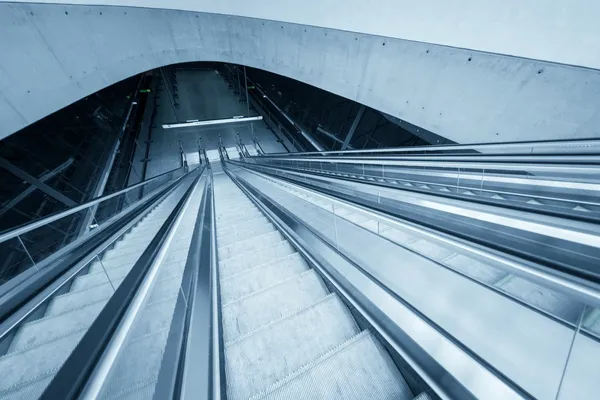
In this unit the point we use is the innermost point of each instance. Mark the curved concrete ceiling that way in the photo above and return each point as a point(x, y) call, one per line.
point(561, 31)
point(53, 55)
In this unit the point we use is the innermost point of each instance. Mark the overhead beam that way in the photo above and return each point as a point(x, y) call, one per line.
point(32, 180)
point(221, 121)
point(353, 127)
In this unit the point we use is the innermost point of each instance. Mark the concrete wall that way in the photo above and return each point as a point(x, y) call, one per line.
point(53, 55)
point(562, 31)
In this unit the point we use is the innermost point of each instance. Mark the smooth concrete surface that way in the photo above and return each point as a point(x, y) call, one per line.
point(563, 31)
point(53, 55)
point(203, 94)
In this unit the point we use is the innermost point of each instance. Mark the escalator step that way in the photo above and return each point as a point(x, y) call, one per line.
point(244, 261)
point(140, 390)
point(226, 230)
point(249, 244)
point(133, 370)
point(358, 368)
point(265, 352)
point(55, 326)
point(32, 364)
point(270, 304)
point(154, 318)
point(27, 390)
point(258, 278)
point(77, 299)
point(255, 230)
point(90, 280)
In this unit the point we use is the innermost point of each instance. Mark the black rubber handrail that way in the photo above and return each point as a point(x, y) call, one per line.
point(72, 377)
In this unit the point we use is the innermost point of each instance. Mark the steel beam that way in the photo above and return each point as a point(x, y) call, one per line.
point(44, 177)
point(353, 127)
point(32, 180)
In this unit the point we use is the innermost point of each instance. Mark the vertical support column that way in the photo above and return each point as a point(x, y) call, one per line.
point(248, 106)
point(353, 127)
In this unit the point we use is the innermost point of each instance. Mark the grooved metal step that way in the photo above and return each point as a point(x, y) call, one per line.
point(255, 230)
point(48, 328)
point(247, 260)
point(131, 368)
point(77, 299)
point(356, 369)
point(238, 215)
point(90, 280)
point(155, 317)
point(255, 279)
point(272, 303)
point(249, 244)
point(26, 366)
point(282, 329)
point(278, 349)
point(224, 230)
point(29, 390)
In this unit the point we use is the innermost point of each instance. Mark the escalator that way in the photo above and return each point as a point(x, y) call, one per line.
point(282, 322)
point(234, 282)
point(554, 303)
point(37, 348)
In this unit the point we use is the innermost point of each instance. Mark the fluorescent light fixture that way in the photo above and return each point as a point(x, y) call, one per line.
point(236, 119)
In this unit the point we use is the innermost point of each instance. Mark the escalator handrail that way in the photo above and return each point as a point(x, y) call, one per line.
point(13, 233)
point(185, 371)
point(491, 158)
point(571, 165)
point(71, 378)
point(569, 146)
